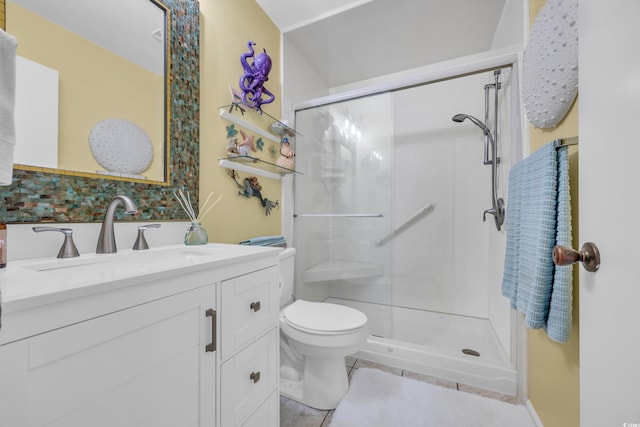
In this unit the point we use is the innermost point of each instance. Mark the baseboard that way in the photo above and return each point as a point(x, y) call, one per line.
point(533, 413)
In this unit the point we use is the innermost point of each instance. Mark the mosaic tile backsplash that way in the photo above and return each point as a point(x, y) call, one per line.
point(49, 197)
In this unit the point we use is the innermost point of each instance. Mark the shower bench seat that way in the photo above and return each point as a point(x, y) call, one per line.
point(337, 269)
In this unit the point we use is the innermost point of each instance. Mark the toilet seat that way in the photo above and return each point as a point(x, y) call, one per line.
point(323, 318)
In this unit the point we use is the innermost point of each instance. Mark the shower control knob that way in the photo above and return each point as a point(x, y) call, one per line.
point(589, 256)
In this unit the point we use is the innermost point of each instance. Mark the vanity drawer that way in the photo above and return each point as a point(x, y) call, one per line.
point(249, 307)
point(248, 378)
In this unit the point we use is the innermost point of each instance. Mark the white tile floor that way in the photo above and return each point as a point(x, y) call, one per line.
point(294, 414)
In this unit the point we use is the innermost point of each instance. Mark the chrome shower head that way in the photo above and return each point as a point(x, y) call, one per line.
point(459, 118)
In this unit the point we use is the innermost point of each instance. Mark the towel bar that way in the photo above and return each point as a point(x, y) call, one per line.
point(589, 256)
point(337, 215)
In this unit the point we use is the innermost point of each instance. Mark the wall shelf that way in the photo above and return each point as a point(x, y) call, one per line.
point(255, 166)
point(247, 125)
point(226, 113)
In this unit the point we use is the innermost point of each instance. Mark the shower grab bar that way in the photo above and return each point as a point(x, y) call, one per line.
point(422, 211)
point(364, 215)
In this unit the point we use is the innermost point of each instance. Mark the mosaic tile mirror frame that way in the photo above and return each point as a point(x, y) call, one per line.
point(39, 196)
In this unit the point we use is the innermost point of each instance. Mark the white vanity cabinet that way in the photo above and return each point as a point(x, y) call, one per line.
point(136, 367)
point(163, 348)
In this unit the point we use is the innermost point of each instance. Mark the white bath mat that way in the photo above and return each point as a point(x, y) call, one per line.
point(379, 399)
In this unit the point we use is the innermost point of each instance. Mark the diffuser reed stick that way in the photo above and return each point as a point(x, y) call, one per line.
point(187, 206)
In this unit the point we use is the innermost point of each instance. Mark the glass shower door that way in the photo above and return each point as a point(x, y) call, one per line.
point(343, 206)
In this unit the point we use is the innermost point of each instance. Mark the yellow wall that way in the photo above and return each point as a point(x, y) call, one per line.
point(554, 369)
point(225, 29)
point(91, 76)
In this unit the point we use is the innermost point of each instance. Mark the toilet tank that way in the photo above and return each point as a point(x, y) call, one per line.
point(287, 261)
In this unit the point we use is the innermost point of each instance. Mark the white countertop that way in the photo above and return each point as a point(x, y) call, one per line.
point(34, 282)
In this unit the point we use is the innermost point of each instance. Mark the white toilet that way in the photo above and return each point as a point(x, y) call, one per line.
point(315, 337)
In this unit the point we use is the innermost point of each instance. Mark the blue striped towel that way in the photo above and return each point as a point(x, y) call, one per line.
point(539, 217)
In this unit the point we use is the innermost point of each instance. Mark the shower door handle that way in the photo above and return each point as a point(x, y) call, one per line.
point(589, 256)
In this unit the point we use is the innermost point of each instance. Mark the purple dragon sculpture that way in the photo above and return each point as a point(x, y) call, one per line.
point(254, 77)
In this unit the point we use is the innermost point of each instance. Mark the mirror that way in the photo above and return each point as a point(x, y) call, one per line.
point(100, 68)
point(47, 195)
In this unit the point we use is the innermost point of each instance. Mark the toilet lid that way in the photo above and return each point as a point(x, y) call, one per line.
point(323, 317)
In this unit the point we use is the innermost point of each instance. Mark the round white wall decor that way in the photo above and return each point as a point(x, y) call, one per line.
point(550, 64)
point(121, 146)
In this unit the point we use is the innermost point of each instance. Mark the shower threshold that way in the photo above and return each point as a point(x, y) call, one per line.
point(433, 343)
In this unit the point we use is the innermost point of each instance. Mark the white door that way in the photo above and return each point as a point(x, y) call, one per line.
point(609, 116)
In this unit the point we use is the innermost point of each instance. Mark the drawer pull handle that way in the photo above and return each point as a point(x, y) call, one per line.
point(255, 306)
point(212, 345)
point(255, 377)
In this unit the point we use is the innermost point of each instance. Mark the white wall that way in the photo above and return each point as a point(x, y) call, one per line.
point(300, 80)
point(511, 29)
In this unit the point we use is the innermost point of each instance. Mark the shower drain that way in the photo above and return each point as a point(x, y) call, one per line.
point(470, 352)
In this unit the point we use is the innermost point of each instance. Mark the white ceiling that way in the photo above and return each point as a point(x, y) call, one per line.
point(124, 27)
point(292, 14)
point(358, 40)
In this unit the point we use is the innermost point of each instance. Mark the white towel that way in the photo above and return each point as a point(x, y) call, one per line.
point(7, 105)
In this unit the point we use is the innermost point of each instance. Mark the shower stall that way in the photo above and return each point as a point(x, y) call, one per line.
point(388, 218)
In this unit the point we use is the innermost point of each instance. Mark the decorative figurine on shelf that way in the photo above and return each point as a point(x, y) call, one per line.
point(236, 101)
point(281, 128)
point(232, 148)
point(247, 144)
point(232, 143)
point(286, 159)
point(254, 77)
point(251, 187)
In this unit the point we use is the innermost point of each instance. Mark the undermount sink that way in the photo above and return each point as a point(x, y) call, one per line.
point(160, 257)
point(59, 265)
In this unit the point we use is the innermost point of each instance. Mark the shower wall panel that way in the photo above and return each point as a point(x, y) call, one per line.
point(441, 262)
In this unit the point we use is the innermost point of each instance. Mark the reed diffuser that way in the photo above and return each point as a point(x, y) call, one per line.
point(196, 234)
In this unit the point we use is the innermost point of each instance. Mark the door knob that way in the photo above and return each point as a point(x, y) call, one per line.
point(589, 256)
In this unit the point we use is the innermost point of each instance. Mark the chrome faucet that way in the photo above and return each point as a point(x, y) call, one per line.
point(68, 249)
point(107, 238)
